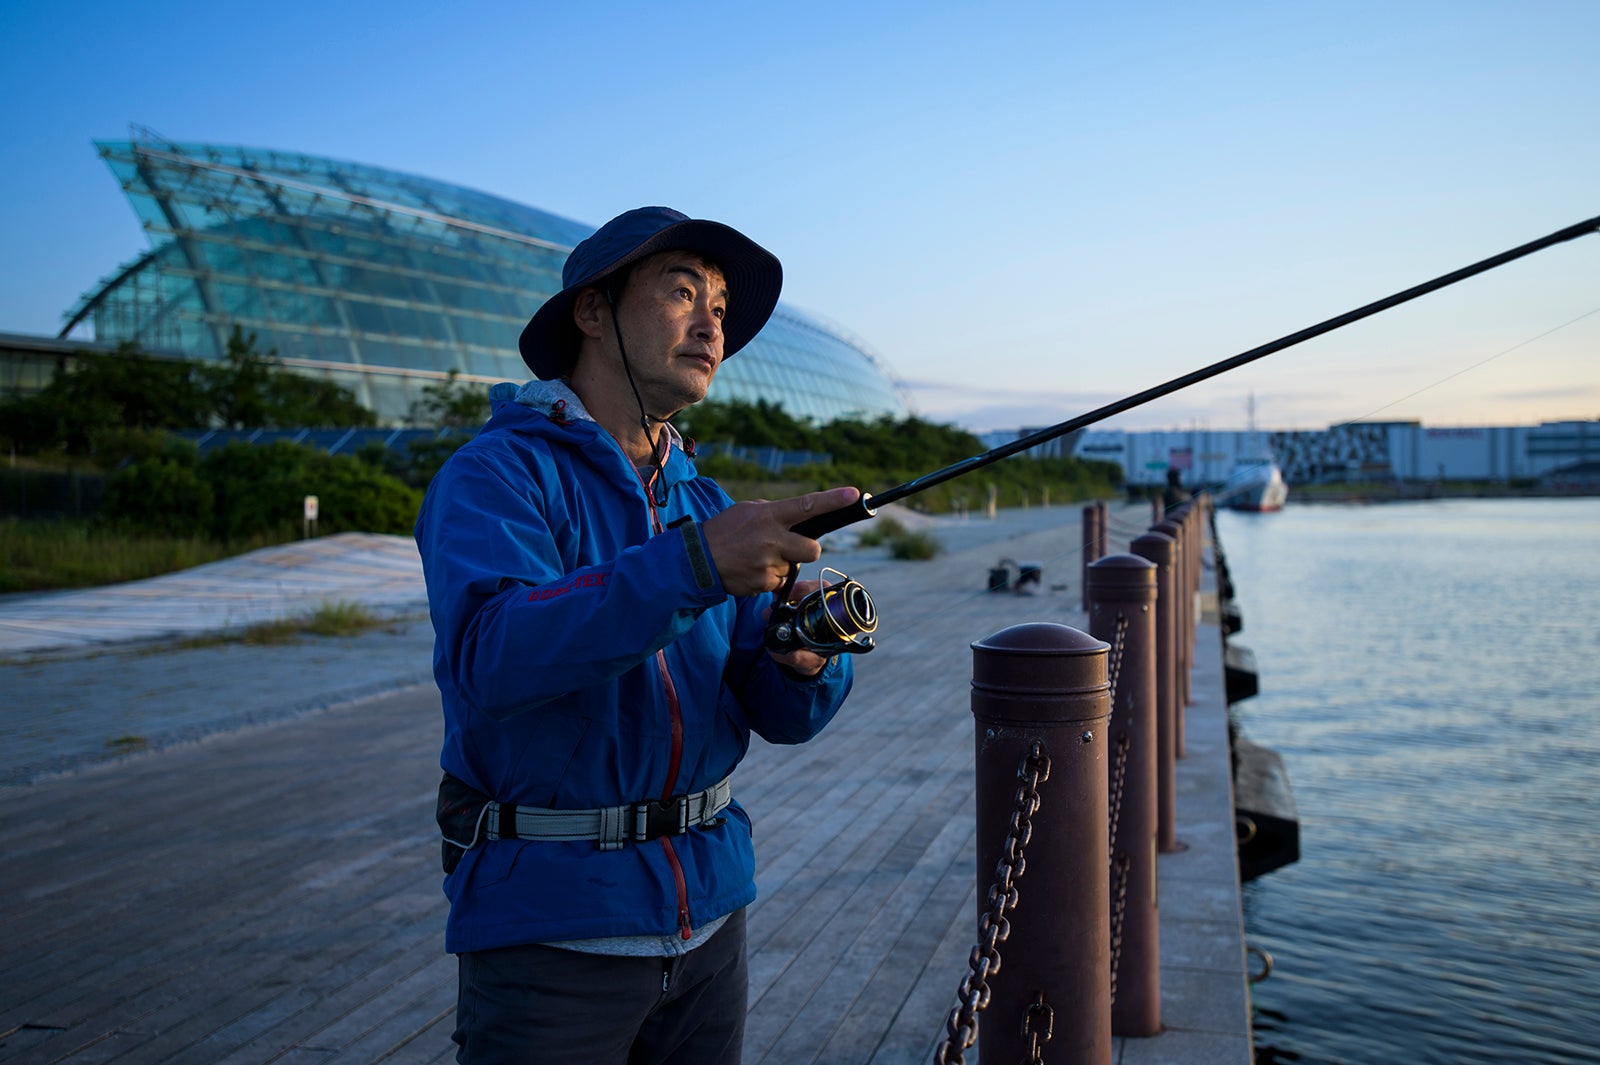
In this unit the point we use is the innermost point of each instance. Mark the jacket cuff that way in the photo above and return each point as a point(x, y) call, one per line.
point(700, 564)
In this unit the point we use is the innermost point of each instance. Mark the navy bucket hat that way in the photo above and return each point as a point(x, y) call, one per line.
point(550, 340)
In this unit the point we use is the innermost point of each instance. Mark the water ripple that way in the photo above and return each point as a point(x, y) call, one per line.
point(1428, 674)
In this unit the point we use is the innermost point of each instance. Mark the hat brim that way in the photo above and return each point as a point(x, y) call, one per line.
point(549, 342)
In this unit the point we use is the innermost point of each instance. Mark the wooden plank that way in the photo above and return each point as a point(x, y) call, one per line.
point(284, 897)
point(177, 929)
point(844, 968)
point(918, 1026)
point(259, 977)
point(134, 869)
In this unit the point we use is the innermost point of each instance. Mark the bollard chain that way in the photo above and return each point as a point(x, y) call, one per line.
point(1119, 776)
point(1119, 907)
point(1118, 645)
point(1119, 858)
point(1038, 1024)
point(993, 927)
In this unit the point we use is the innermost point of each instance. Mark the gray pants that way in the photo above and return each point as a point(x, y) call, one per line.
point(542, 1004)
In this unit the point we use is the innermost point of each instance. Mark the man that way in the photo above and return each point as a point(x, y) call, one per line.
point(599, 612)
point(1175, 495)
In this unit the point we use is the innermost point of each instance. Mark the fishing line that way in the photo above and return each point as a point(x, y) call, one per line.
point(1214, 486)
point(1467, 369)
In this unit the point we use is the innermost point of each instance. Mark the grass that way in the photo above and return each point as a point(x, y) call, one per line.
point(128, 744)
point(47, 555)
point(332, 618)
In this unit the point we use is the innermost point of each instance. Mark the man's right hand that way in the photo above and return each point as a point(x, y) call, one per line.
point(752, 544)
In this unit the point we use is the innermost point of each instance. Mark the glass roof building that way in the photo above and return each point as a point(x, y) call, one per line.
point(385, 282)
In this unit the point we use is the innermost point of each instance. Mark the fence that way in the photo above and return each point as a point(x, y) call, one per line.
point(49, 494)
point(1076, 735)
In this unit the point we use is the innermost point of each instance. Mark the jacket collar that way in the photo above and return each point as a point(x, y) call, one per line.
point(561, 405)
point(555, 400)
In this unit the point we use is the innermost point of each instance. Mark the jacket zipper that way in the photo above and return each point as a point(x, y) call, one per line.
point(685, 930)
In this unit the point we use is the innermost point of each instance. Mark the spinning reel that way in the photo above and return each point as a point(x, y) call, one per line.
point(835, 619)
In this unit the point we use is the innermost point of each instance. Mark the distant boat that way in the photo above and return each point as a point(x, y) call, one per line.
point(1255, 484)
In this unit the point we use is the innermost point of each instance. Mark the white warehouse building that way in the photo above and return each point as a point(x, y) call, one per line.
point(1367, 451)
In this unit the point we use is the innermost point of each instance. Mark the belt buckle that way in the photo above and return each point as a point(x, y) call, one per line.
point(652, 820)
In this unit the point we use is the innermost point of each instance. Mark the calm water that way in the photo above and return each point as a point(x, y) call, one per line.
point(1431, 674)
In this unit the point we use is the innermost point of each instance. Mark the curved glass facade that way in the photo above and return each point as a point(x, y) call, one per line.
point(385, 282)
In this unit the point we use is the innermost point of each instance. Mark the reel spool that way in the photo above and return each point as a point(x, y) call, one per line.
point(835, 619)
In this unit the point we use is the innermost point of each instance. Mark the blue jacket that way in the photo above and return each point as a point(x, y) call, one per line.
point(585, 661)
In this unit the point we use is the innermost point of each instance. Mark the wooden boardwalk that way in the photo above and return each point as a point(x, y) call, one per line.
point(272, 894)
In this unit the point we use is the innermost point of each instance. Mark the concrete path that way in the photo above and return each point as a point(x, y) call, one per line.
point(100, 674)
point(382, 573)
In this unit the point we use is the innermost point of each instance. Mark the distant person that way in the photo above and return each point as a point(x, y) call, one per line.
point(1175, 493)
point(599, 613)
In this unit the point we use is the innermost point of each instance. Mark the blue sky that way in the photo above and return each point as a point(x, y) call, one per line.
point(1026, 210)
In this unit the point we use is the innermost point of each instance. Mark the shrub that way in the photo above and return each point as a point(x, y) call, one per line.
point(160, 495)
point(903, 543)
point(915, 546)
point(880, 531)
point(115, 446)
point(722, 468)
point(263, 489)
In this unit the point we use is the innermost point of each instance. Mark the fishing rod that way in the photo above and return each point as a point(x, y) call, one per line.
point(838, 618)
point(860, 510)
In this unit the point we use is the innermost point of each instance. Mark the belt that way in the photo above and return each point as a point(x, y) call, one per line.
point(611, 827)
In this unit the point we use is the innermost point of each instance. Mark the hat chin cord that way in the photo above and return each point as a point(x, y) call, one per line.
point(644, 418)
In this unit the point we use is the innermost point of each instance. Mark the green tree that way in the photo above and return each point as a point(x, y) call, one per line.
point(759, 424)
point(92, 408)
point(295, 400)
point(248, 390)
point(880, 452)
point(239, 384)
point(124, 391)
point(450, 403)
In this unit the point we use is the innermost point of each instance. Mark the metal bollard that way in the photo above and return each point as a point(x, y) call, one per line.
point(1122, 611)
point(1090, 539)
point(1047, 683)
point(1163, 551)
point(1193, 552)
point(1191, 604)
point(1182, 626)
point(1189, 572)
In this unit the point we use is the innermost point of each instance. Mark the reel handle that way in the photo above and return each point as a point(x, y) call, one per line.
point(829, 521)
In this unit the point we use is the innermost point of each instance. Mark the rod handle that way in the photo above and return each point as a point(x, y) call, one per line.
point(818, 525)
